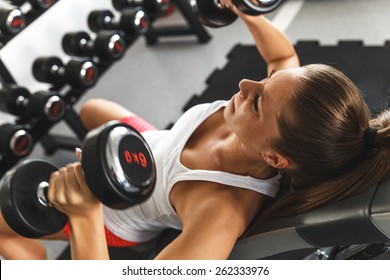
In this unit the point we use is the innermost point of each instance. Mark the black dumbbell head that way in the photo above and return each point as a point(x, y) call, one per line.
point(17, 2)
point(12, 21)
point(119, 5)
point(257, 7)
point(42, 4)
point(74, 43)
point(23, 200)
point(15, 140)
point(109, 46)
point(100, 20)
point(163, 5)
point(48, 105)
point(209, 13)
point(118, 165)
point(12, 98)
point(153, 7)
point(44, 69)
point(134, 21)
point(81, 73)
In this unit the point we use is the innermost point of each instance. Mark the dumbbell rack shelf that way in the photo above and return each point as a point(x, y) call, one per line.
point(6, 160)
point(40, 127)
point(194, 27)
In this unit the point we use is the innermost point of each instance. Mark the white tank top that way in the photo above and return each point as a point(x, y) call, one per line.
point(145, 221)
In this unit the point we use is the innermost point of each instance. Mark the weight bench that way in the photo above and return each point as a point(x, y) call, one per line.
point(363, 219)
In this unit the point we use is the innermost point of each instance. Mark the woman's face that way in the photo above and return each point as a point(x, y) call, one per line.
point(253, 111)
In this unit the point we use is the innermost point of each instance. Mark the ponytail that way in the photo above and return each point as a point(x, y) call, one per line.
point(374, 168)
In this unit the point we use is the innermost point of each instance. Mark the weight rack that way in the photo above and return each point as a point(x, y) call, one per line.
point(39, 127)
point(193, 28)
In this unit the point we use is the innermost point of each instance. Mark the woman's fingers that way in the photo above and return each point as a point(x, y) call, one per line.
point(78, 153)
point(69, 192)
point(83, 186)
point(57, 188)
point(226, 3)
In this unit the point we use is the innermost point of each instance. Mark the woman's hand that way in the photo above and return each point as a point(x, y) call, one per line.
point(69, 192)
point(228, 4)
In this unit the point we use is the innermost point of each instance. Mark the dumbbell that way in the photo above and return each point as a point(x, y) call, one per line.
point(15, 140)
point(77, 73)
point(153, 7)
point(132, 21)
point(118, 167)
point(20, 102)
point(106, 46)
point(212, 14)
point(36, 4)
point(12, 21)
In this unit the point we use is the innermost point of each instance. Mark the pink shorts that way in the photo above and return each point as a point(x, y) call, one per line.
point(112, 240)
point(138, 123)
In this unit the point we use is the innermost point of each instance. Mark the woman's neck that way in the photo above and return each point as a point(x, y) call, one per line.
point(234, 158)
point(224, 150)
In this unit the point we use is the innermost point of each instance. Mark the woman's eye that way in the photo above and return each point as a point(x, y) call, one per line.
point(255, 103)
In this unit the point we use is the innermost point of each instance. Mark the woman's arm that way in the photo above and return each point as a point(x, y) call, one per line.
point(213, 218)
point(209, 235)
point(69, 193)
point(272, 44)
point(87, 238)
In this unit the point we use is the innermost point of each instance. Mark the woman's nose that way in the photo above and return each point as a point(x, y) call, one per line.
point(248, 87)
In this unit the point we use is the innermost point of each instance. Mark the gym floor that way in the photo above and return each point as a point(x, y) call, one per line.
point(156, 82)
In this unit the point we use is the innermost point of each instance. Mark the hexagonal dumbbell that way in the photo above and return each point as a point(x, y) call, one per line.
point(106, 45)
point(77, 73)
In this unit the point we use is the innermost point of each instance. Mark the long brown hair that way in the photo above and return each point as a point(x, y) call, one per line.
point(323, 138)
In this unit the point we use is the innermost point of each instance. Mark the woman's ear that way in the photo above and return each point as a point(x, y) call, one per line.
point(276, 160)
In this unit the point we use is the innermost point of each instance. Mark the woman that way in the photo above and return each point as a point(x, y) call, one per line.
point(309, 122)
